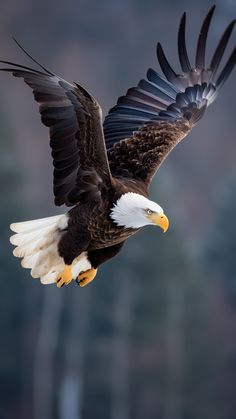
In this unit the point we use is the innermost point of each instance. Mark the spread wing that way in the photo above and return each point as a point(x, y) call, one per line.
point(152, 118)
point(81, 168)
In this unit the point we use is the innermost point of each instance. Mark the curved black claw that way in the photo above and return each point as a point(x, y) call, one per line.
point(62, 284)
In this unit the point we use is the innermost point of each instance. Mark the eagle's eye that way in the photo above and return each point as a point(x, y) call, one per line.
point(149, 212)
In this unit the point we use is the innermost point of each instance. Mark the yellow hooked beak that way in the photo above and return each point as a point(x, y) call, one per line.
point(160, 220)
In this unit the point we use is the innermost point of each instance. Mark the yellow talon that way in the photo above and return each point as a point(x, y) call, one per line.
point(87, 276)
point(65, 277)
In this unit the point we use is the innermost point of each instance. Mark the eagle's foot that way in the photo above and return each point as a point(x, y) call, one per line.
point(65, 277)
point(86, 277)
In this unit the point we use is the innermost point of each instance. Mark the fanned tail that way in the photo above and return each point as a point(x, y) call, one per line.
point(36, 243)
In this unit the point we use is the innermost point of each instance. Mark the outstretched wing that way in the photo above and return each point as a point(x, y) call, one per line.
point(81, 168)
point(148, 122)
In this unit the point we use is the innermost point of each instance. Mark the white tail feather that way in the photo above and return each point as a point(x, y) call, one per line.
point(33, 225)
point(29, 261)
point(27, 237)
point(47, 259)
point(36, 242)
point(50, 277)
point(31, 246)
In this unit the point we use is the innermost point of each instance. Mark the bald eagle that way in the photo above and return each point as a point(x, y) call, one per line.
point(103, 170)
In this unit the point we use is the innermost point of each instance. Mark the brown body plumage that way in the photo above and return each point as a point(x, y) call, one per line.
point(98, 231)
point(104, 170)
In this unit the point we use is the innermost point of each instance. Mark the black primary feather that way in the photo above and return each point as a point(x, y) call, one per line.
point(226, 70)
point(153, 117)
point(76, 135)
point(172, 96)
point(165, 65)
point(216, 59)
point(32, 58)
point(182, 50)
point(202, 39)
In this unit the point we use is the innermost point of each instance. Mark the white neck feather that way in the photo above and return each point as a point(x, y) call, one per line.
point(130, 210)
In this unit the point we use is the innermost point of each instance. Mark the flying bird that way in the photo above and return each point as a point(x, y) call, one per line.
point(103, 170)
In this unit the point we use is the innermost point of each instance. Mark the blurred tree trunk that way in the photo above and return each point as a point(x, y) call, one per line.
point(72, 386)
point(120, 367)
point(44, 385)
point(173, 402)
point(29, 337)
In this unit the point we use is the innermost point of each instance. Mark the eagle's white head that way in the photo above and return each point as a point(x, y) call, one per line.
point(133, 210)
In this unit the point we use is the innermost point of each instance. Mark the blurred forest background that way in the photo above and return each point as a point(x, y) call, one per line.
point(154, 336)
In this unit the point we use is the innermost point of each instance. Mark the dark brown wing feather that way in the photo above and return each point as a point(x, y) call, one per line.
point(81, 168)
point(140, 156)
point(150, 120)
